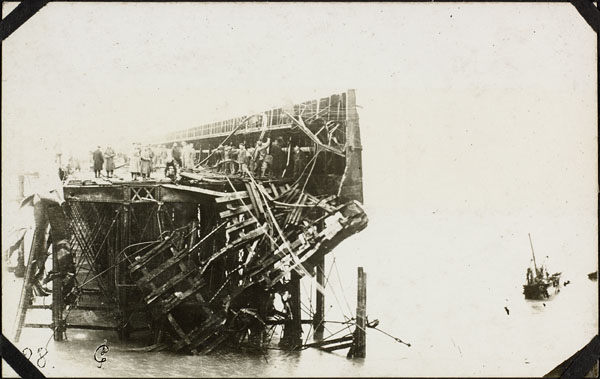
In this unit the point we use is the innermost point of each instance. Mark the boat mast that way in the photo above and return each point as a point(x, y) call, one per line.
point(532, 253)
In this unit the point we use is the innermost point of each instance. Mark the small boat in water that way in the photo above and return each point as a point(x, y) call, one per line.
point(540, 284)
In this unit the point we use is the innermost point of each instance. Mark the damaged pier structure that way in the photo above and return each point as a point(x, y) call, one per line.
point(199, 261)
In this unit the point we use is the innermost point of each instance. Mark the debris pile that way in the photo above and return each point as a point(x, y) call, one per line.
point(205, 291)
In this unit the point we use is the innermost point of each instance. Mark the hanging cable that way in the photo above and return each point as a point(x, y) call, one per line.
point(341, 288)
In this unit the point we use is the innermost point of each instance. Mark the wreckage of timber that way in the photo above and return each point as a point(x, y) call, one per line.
point(199, 261)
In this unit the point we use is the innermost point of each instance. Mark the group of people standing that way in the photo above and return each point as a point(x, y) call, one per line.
point(184, 154)
point(265, 158)
point(106, 159)
point(144, 160)
point(141, 161)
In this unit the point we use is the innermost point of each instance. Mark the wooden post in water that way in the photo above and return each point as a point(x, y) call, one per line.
point(318, 319)
point(119, 272)
point(57, 299)
point(296, 335)
point(359, 348)
point(292, 333)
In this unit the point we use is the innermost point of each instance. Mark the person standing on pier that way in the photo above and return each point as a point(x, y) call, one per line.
point(299, 162)
point(242, 159)
point(109, 162)
point(171, 168)
point(176, 153)
point(267, 162)
point(152, 160)
point(189, 156)
point(278, 157)
point(260, 153)
point(226, 158)
point(184, 154)
point(250, 159)
point(145, 162)
point(98, 161)
point(134, 162)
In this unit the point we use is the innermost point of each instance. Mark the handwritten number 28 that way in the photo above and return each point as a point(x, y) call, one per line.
point(42, 352)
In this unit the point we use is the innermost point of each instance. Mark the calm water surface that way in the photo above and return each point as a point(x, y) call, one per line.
point(439, 281)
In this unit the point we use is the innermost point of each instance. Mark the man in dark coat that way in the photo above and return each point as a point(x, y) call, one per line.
point(278, 158)
point(176, 153)
point(299, 162)
point(98, 161)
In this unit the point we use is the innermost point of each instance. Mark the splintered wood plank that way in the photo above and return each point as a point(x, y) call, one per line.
point(180, 331)
point(174, 300)
point(177, 258)
point(209, 331)
point(236, 196)
point(151, 286)
point(329, 349)
point(234, 212)
point(251, 196)
point(141, 260)
point(270, 260)
point(288, 196)
point(289, 214)
point(240, 225)
point(220, 339)
point(246, 238)
point(200, 190)
point(329, 342)
point(258, 199)
point(233, 196)
point(297, 210)
point(322, 203)
point(194, 335)
point(169, 284)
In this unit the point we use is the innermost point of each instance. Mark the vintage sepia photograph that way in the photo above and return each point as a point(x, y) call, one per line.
point(257, 189)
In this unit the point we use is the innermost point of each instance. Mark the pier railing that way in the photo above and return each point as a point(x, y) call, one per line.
point(331, 108)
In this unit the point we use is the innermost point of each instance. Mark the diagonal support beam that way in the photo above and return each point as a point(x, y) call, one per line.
point(314, 138)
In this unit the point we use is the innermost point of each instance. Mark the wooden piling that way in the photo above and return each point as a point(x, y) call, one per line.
point(292, 337)
point(359, 347)
point(119, 271)
point(57, 299)
point(318, 320)
point(296, 335)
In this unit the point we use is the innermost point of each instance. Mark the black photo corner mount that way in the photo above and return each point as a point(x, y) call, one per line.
point(23, 12)
point(580, 364)
point(577, 366)
point(17, 360)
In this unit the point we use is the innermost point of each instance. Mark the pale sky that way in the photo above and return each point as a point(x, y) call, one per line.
point(476, 94)
point(478, 113)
